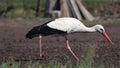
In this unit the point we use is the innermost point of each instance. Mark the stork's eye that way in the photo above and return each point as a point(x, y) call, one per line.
point(101, 29)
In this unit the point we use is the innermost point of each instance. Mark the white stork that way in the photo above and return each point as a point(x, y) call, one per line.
point(64, 26)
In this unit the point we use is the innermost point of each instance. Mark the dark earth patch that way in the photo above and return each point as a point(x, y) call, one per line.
point(14, 44)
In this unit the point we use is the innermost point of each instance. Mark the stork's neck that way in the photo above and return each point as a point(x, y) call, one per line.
point(89, 29)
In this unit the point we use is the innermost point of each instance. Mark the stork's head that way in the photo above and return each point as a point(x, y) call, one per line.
point(34, 32)
point(100, 28)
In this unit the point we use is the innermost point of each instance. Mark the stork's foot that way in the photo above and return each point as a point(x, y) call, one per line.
point(41, 58)
point(68, 46)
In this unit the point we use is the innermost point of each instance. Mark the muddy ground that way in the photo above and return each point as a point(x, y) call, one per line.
point(14, 44)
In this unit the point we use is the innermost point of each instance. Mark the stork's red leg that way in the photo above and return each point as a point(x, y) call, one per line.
point(40, 44)
point(68, 46)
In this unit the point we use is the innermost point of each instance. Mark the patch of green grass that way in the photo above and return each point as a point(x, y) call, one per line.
point(102, 21)
point(21, 12)
point(87, 58)
point(86, 61)
point(19, 8)
point(10, 64)
point(97, 3)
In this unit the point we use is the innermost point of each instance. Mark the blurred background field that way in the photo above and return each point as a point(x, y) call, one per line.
point(27, 8)
point(18, 16)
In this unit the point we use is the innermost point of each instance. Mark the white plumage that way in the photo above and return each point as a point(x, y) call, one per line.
point(67, 24)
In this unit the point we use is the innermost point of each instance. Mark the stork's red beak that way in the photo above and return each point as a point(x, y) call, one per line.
point(107, 37)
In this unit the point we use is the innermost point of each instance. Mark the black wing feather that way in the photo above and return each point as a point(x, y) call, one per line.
point(42, 30)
